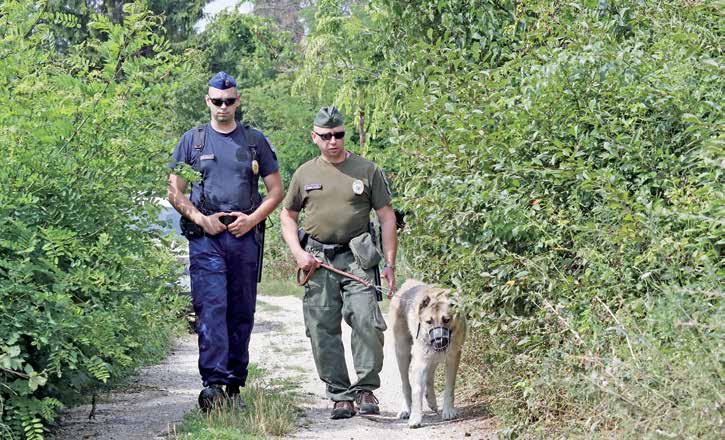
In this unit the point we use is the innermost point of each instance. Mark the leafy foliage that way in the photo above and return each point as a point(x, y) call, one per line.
point(69, 19)
point(568, 181)
point(85, 280)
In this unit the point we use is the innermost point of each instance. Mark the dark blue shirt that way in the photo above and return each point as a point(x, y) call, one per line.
point(226, 166)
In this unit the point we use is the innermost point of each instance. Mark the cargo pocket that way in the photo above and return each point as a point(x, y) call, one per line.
point(378, 318)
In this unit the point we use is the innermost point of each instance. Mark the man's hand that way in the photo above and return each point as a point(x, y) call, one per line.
point(389, 275)
point(241, 225)
point(211, 223)
point(306, 260)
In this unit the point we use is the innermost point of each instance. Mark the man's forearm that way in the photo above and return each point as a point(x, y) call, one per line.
point(386, 215)
point(182, 204)
point(288, 225)
point(266, 208)
point(390, 241)
point(275, 193)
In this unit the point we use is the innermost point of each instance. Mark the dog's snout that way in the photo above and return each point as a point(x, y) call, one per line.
point(440, 337)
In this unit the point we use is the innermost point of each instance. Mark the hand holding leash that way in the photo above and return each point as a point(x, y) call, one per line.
point(303, 277)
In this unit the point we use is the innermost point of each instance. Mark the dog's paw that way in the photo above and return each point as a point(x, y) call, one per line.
point(449, 413)
point(432, 404)
point(415, 421)
point(404, 414)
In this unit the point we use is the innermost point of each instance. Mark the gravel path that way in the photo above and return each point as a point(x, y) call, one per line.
point(162, 394)
point(282, 348)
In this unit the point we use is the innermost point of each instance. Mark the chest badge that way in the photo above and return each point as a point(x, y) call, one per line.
point(255, 167)
point(358, 187)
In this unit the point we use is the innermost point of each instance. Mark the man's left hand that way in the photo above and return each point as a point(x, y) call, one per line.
point(389, 275)
point(241, 225)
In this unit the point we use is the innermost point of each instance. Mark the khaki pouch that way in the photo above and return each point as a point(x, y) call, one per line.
point(365, 252)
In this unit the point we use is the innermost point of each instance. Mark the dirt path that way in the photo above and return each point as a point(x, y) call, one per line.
point(159, 397)
point(163, 393)
point(282, 348)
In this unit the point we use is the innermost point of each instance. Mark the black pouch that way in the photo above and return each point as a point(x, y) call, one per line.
point(302, 237)
point(190, 229)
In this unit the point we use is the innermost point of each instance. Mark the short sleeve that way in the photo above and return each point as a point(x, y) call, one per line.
point(293, 200)
point(267, 158)
point(380, 188)
point(182, 152)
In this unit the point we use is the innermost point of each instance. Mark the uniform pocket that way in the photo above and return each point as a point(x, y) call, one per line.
point(378, 318)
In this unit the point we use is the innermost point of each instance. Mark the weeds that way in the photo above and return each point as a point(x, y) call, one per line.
point(270, 411)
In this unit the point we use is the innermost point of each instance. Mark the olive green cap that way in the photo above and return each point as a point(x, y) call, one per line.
point(328, 117)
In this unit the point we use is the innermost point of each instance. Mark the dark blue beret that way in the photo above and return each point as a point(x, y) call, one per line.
point(222, 81)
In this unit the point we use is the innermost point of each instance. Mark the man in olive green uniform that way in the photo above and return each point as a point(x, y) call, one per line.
point(337, 190)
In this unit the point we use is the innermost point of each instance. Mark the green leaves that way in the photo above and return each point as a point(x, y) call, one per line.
point(84, 284)
point(552, 157)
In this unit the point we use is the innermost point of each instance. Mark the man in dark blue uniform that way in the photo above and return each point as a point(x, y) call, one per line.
point(222, 219)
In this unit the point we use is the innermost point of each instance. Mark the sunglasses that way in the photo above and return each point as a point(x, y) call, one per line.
point(219, 101)
point(328, 136)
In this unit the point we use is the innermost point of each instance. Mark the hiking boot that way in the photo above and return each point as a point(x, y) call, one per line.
point(367, 403)
point(235, 398)
point(211, 396)
point(343, 409)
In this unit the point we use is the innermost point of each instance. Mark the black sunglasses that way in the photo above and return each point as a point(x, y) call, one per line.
point(219, 101)
point(328, 136)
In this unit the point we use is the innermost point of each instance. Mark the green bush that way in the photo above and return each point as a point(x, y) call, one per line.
point(86, 280)
point(561, 166)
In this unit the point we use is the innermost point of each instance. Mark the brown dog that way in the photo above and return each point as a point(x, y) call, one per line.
point(426, 332)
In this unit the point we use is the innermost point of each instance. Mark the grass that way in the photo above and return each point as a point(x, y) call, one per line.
point(280, 287)
point(270, 412)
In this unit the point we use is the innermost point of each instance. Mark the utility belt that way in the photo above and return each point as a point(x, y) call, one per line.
point(330, 250)
point(190, 230)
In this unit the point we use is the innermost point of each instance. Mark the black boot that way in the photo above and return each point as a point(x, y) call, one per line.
point(211, 396)
point(235, 397)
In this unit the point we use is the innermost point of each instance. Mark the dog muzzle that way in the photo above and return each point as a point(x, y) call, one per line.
point(440, 338)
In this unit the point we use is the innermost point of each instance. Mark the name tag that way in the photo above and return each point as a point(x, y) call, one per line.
point(313, 186)
point(207, 157)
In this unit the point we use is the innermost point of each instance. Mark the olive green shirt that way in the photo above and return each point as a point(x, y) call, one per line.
point(337, 198)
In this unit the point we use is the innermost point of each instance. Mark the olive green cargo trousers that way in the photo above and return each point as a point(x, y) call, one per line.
point(330, 297)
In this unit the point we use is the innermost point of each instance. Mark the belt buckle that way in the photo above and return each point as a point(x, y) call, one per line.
point(329, 251)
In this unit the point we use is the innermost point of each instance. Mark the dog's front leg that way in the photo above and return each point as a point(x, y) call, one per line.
point(430, 391)
point(402, 352)
point(419, 376)
point(449, 412)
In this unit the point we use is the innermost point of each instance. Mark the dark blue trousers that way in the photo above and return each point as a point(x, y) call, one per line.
point(223, 272)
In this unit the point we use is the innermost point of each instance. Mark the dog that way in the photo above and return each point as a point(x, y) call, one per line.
point(426, 332)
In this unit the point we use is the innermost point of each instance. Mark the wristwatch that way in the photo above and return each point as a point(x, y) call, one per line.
point(389, 265)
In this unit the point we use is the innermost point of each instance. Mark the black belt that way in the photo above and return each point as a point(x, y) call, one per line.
point(330, 250)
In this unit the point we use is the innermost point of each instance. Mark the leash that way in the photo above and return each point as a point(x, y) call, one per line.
point(303, 277)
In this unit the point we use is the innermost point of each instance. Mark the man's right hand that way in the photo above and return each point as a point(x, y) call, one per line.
point(211, 223)
point(306, 260)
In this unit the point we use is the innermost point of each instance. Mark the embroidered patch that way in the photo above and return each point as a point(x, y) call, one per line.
point(313, 186)
point(358, 186)
point(206, 157)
